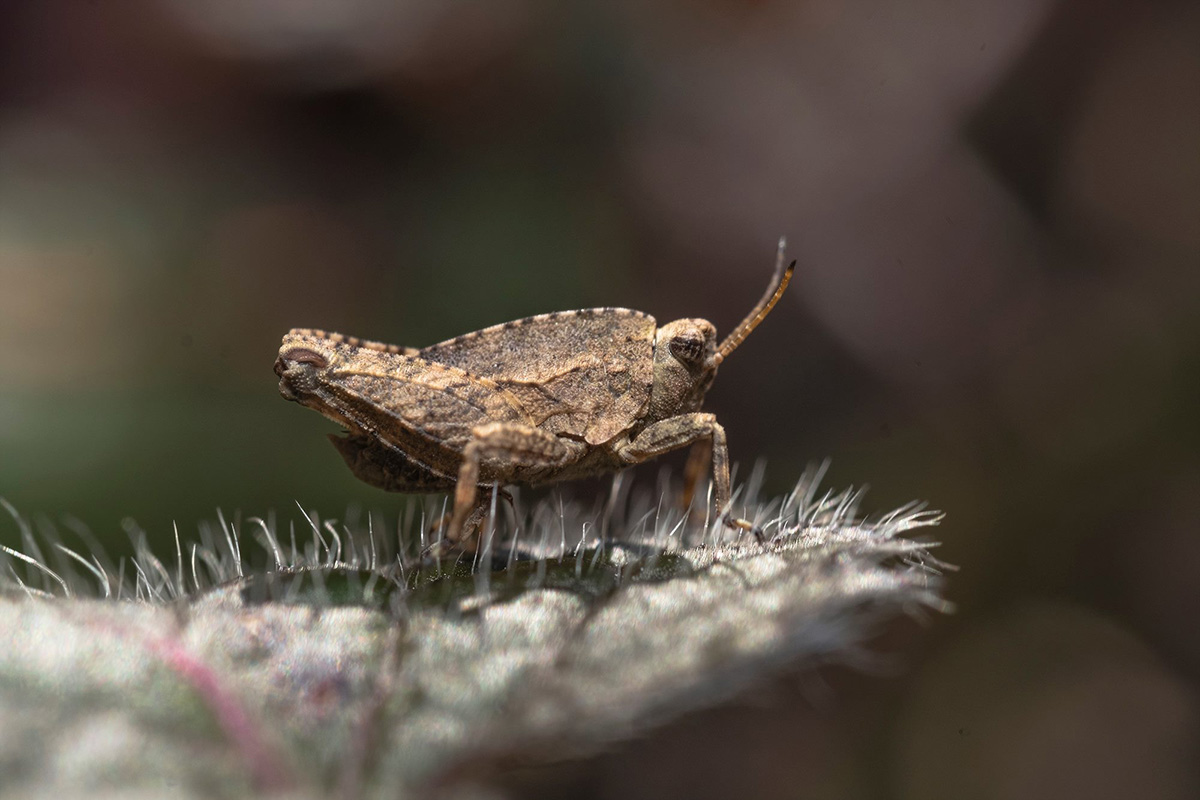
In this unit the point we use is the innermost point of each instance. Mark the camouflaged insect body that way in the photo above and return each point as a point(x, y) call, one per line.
point(584, 375)
point(547, 398)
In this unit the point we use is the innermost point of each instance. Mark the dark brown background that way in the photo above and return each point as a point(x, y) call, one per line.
point(996, 210)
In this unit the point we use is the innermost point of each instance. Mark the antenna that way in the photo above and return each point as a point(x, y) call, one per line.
point(774, 291)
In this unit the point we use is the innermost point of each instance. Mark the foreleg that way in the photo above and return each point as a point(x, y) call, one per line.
point(697, 462)
point(675, 432)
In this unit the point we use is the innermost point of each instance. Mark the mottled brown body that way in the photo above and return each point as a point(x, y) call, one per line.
point(547, 398)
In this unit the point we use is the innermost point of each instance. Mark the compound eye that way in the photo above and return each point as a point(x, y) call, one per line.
point(687, 347)
point(302, 355)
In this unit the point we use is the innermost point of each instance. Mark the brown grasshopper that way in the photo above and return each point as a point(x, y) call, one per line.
point(542, 399)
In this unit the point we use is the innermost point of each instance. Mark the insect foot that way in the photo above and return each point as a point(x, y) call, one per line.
point(555, 397)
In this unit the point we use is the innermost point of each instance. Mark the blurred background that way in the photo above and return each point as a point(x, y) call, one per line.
point(996, 211)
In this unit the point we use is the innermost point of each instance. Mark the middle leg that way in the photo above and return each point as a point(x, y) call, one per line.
point(511, 447)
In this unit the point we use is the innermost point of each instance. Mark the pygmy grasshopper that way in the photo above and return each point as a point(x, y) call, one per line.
point(542, 399)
